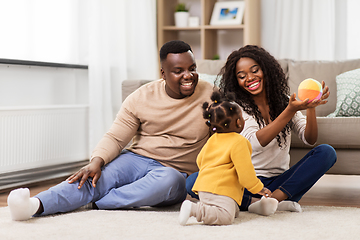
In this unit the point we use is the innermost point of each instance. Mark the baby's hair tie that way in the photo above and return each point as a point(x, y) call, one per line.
point(214, 129)
point(208, 121)
point(231, 109)
point(209, 115)
point(215, 101)
point(225, 124)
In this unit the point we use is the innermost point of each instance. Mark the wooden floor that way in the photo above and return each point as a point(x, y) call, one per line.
point(331, 190)
point(334, 190)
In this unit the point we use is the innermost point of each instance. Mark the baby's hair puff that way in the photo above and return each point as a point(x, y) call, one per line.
point(220, 112)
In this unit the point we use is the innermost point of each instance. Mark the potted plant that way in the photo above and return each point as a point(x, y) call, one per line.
point(181, 15)
point(216, 57)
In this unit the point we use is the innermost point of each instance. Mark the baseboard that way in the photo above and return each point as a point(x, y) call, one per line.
point(30, 176)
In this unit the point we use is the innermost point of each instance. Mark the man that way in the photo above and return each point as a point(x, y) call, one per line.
point(164, 119)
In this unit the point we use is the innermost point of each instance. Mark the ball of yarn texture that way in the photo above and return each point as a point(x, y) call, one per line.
point(311, 89)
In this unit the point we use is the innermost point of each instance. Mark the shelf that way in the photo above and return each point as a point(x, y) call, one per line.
point(214, 27)
point(224, 27)
point(174, 28)
point(208, 40)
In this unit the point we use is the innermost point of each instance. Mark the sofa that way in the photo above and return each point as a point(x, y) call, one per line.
point(340, 130)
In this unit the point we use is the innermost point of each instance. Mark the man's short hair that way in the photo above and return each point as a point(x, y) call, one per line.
point(175, 46)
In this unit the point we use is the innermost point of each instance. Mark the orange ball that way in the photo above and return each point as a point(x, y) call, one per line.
point(311, 89)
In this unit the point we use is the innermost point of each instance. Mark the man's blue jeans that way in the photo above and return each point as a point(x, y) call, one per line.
point(294, 182)
point(130, 180)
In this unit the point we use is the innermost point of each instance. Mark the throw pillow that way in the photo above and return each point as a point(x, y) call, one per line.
point(208, 77)
point(348, 94)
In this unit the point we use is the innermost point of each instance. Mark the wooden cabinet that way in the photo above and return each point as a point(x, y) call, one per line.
point(208, 40)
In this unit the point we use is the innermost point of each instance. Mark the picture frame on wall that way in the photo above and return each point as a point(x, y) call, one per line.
point(228, 13)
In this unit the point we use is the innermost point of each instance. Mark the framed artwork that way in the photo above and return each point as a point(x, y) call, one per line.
point(228, 13)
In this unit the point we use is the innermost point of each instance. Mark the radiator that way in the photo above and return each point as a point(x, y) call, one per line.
point(38, 141)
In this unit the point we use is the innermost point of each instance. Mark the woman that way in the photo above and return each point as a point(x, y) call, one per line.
point(270, 115)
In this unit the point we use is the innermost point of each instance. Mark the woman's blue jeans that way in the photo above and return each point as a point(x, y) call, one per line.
point(294, 182)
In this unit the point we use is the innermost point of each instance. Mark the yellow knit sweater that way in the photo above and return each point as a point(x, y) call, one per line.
point(226, 168)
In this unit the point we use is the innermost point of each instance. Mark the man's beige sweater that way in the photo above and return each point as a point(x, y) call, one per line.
point(171, 131)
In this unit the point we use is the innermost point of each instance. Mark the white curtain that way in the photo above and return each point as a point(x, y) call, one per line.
point(121, 45)
point(302, 29)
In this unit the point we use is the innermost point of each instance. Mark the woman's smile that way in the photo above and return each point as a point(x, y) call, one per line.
point(254, 85)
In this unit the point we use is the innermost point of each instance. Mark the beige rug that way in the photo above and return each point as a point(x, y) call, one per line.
point(162, 223)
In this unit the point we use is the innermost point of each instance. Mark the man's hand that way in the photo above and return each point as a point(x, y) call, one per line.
point(93, 169)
